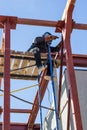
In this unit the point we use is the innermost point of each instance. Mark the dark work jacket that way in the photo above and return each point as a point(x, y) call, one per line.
point(42, 45)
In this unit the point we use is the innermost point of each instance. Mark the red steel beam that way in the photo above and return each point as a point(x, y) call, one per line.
point(17, 110)
point(21, 126)
point(78, 60)
point(70, 67)
point(39, 22)
point(79, 26)
point(6, 111)
point(25, 21)
point(35, 107)
point(58, 24)
point(20, 110)
point(68, 5)
point(12, 20)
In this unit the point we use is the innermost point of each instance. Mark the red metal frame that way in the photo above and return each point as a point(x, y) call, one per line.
point(21, 126)
point(78, 60)
point(70, 66)
point(64, 26)
point(6, 111)
point(43, 86)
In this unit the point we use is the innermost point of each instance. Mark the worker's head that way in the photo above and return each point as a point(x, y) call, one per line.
point(47, 34)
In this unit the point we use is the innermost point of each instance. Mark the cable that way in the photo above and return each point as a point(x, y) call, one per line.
point(55, 106)
point(17, 90)
point(22, 68)
point(28, 101)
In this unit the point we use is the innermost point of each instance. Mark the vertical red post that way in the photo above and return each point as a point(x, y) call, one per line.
point(70, 68)
point(68, 115)
point(6, 112)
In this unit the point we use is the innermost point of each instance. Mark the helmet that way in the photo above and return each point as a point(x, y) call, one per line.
point(46, 34)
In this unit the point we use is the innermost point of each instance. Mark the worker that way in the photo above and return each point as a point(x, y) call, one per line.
point(40, 45)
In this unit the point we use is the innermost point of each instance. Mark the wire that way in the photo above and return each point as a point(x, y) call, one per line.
point(27, 101)
point(17, 90)
point(63, 108)
point(23, 67)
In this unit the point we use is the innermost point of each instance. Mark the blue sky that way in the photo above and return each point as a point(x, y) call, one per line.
point(44, 10)
point(22, 37)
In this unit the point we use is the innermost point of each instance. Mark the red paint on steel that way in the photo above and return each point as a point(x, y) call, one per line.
point(21, 126)
point(6, 112)
point(78, 60)
point(70, 68)
point(12, 21)
point(17, 110)
point(35, 108)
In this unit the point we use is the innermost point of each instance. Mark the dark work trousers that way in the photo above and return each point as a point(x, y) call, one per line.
point(37, 56)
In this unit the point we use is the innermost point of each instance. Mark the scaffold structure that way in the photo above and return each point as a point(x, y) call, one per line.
point(11, 59)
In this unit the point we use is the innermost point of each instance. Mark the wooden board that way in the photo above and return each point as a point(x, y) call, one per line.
point(20, 65)
point(1, 64)
point(24, 64)
point(15, 65)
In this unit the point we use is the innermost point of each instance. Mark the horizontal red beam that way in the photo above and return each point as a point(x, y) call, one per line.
point(80, 26)
point(21, 126)
point(37, 22)
point(18, 110)
point(58, 24)
point(78, 60)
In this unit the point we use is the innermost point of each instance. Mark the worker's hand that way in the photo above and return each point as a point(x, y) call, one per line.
point(50, 38)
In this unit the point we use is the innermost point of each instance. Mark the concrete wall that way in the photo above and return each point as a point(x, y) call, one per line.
point(81, 79)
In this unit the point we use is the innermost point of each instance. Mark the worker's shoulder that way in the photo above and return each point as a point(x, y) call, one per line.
point(39, 39)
